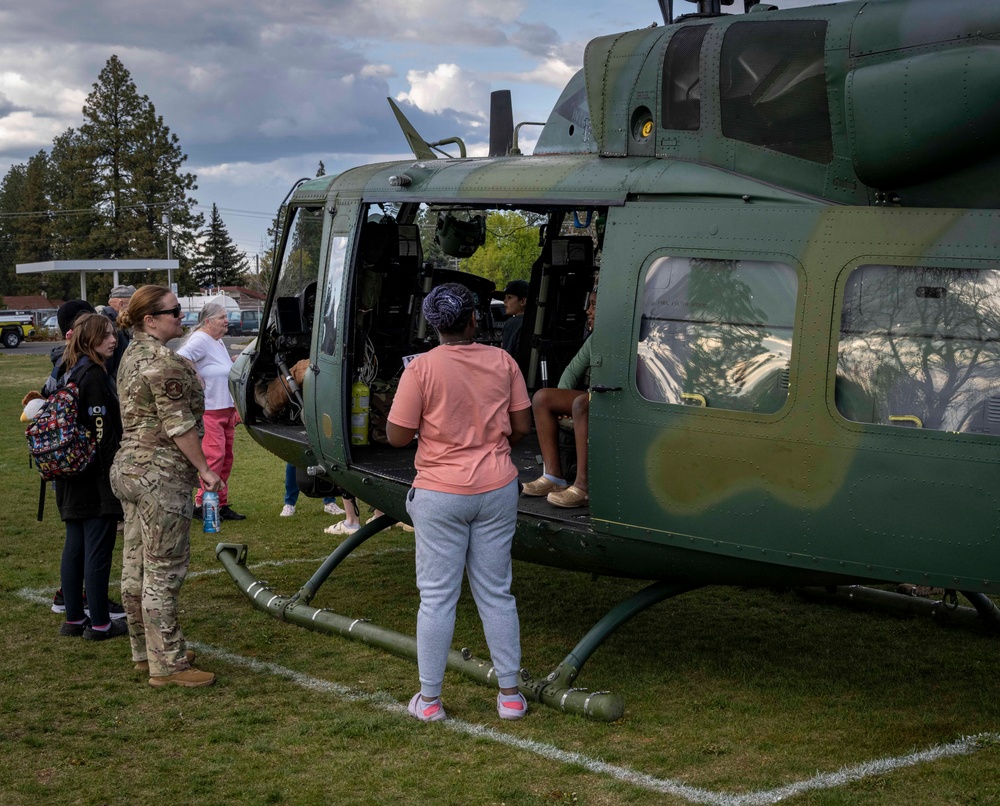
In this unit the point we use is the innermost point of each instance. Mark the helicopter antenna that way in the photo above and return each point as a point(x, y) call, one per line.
point(667, 10)
point(418, 145)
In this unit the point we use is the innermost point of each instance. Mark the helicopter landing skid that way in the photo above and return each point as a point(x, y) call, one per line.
point(555, 691)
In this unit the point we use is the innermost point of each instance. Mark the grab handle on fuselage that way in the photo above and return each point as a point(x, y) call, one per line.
point(906, 418)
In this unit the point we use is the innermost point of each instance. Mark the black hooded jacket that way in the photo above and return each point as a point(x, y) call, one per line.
point(89, 494)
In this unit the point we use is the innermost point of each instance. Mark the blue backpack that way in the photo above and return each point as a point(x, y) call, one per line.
point(58, 442)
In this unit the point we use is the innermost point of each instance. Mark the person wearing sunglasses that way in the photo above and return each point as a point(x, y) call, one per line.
point(157, 465)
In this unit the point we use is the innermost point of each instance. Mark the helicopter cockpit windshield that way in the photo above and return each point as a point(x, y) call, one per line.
point(285, 341)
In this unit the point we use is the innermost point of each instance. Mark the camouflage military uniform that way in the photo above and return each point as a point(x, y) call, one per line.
point(161, 398)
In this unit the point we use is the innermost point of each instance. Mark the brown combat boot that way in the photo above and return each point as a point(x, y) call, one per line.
point(143, 665)
point(189, 678)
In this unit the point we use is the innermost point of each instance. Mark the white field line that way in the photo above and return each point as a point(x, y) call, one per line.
point(384, 701)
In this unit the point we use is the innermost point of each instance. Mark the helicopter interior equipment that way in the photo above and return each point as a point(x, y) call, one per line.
point(794, 376)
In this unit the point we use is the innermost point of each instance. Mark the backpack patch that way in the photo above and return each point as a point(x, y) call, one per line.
point(58, 443)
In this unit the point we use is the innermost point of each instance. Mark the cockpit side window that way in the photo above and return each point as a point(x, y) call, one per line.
point(716, 333)
point(773, 87)
point(682, 79)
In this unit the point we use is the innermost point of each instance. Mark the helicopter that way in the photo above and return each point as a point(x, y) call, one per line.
point(795, 374)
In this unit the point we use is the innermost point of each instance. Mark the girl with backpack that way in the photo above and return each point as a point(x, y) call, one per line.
point(86, 502)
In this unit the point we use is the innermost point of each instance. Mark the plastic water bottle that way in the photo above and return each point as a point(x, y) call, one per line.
point(210, 511)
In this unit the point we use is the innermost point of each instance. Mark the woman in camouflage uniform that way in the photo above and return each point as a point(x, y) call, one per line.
point(157, 466)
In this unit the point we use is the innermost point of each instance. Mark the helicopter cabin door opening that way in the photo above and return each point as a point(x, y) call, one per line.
point(404, 251)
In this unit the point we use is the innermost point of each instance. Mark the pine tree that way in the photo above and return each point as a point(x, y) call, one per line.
point(219, 261)
point(74, 192)
point(12, 190)
point(137, 163)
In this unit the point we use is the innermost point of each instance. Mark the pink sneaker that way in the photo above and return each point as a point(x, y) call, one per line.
point(426, 711)
point(511, 706)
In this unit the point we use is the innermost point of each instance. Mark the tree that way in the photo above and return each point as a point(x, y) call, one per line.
point(12, 191)
point(73, 191)
point(510, 250)
point(101, 193)
point(219, 261)
point(137, 164)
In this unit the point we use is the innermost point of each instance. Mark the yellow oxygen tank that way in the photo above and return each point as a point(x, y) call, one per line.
point(359, 413)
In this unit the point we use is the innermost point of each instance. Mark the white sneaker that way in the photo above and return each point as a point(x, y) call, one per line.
point(333, 509)
point(511, 706)
point(287, 511)
point(341, 528)
point(404, 526)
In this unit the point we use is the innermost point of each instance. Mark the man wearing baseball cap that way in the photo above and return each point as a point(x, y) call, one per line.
point(117, 302)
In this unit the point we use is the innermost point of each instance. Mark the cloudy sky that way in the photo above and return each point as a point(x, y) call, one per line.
point(259, 92)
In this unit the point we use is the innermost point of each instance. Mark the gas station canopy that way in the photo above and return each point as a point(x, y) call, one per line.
point(115, 266)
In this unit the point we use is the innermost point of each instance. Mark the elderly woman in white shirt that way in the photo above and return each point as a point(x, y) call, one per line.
point(205, 348)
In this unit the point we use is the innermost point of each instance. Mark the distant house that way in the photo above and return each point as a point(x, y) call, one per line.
point(246, 298)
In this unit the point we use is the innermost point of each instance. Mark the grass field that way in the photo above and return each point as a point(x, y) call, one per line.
point(732, 696)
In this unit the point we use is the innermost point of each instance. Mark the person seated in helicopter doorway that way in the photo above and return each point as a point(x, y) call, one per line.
point(569, 399)
point(515, 300)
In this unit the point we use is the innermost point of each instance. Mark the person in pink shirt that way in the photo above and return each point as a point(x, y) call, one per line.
point(210, 356)
point(469, 404)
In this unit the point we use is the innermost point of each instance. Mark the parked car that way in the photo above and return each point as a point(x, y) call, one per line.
point(190, 319)
point(51, 323)
point(244, 323)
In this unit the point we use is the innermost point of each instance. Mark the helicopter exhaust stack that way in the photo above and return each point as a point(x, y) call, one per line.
point(501, 123)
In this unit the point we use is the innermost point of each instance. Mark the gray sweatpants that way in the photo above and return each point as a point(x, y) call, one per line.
point(473, 533)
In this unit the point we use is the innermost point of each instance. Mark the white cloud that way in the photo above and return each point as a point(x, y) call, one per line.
point(446, 87)
point(552, 72)
point(377, 71)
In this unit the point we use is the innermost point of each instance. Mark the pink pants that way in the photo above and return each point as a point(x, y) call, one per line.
point(217, 445)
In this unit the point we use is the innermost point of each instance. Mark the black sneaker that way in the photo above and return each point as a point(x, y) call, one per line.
point(115, 610)
point(227, 513)
point(59, 603)
point(74, 630)
point(117, 629)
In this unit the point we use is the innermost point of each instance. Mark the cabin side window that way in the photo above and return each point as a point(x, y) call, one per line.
point(773, 87)
point(682, 79)
point(920, 348)
point(716, 333)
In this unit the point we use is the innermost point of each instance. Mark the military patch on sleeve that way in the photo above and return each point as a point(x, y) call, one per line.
point(174, 389)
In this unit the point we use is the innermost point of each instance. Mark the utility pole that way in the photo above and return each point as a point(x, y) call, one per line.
point(170, 256)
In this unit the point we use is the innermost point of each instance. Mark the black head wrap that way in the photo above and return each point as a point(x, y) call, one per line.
point(448, 304)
